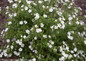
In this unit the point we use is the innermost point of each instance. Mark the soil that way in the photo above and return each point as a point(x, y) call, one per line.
point(82, 4)
point(4, 3)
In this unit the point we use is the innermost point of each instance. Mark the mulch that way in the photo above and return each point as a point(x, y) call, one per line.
point(4, 3)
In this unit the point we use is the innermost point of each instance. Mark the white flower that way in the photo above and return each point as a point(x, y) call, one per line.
point(16, 53)
point(63, 53)
point(59, 13)
point(69, 6)
point(37, 16)
point(9, 55)
point(67, 48)
point(19, 1)
point(74, 16)
point(66, 55)
point(39, 30)
point(6, 12)
point(70, 18)
point(40, 1)
point(85, 42)
point(15, 14)
point(36, 26)
point(31, 29)
point(70, 23)
point(55, 27)
point(81, 23)
point(51, 27)
point(34, 59)
point(63, 26)
point(62, 58)
point(42, 25)
point(26, 8)
point(25, 21)
point(69, 33)
point(10, 1)
point(75, 49)
point(50, 46)
point(4, 51)
point(29, 2)
point(20, 49)
point(24, 36)
point(55, 20)
point(21, 22)
point(75, 55)
point(15, 0)
point(9, 23)
point(10, 15)
point(77, 22)
point(55, 50)
point(14, 5)
point(17, 41)
point(45, 0)
point(1, 55)
point(43, 6)
point(49, 36)
point(72, 51)
point(44, 36)
point(70, 56)
point(51, 10)
point(35, 38)
point(8, 40)
point(30, 47)
point(51, 42)
point(5, 54)
point(60, 19)
point(22, 6)
point(6, 29)
point(12, 47)
point(29, 10)
point(70, 37)
point(59, 25)
point(35, 51)
point(64, 43)
point(22, 9)
point(45, 16)
point(27, 31)
point(22, 45)
point(66, 0)
point(62, 22)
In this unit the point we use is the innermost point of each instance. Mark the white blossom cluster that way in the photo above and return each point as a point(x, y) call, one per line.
point(34, 26)
point(69, 35)
point(50, 44)
point(64, 49)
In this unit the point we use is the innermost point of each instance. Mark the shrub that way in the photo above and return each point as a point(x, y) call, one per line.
point(41, 30)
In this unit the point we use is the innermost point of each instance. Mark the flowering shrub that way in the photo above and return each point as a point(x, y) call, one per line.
point(41, 30)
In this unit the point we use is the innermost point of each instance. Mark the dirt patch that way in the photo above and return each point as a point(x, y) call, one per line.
point(3, 4)
point(82, 4)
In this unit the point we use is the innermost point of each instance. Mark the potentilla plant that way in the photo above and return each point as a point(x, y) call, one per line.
point(44, 30)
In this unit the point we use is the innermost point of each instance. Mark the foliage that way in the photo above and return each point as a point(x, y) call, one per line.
point(41, 30)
